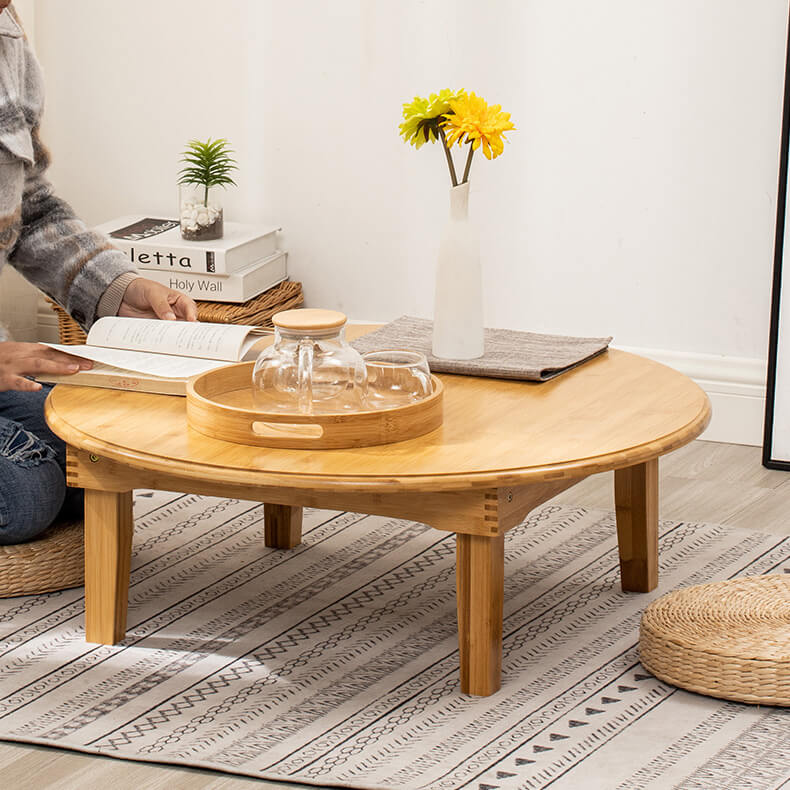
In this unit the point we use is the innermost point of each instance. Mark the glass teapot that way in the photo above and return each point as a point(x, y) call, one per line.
point(310, 368)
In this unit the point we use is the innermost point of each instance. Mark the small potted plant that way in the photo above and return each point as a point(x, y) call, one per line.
point(207, 167)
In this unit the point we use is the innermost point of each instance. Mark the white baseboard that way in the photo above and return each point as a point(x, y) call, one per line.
point(735, 386)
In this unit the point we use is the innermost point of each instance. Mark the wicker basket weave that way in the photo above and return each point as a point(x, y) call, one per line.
point(727, 639)
point(257, 311)
point(53, 561)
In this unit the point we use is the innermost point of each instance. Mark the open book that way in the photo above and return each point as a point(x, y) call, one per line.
point(147, 355)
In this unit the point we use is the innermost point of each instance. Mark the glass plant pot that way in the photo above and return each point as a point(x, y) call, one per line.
point(310, 368)
point(200, 212)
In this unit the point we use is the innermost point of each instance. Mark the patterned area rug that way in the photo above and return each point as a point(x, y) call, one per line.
point(336, 663)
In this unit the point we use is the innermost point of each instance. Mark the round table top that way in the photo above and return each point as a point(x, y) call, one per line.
point(616, 410)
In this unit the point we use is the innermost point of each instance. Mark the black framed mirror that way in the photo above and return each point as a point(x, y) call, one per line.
point(776, 438)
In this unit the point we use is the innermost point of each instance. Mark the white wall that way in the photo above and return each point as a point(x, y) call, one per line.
point(637, 197)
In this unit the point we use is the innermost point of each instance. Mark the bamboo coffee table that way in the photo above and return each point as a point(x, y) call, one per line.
point(504, 448)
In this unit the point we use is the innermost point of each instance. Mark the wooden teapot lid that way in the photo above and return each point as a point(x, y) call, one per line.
point(307, 319)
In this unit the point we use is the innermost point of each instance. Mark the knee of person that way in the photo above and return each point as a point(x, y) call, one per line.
point(23, 448)
point(32, 485)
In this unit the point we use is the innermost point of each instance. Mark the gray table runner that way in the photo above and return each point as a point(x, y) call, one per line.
point(508, 354)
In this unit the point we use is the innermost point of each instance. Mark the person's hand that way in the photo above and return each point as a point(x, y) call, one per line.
point(148, 299)
point(18, 360)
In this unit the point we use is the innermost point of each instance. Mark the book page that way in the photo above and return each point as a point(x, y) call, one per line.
point(183, 338)
point(163, 365)
point(101, 368)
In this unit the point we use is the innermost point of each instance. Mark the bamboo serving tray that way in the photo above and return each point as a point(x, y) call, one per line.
point(220, 405)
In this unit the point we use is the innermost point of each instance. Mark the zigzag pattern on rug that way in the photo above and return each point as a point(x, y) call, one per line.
point(336, 663)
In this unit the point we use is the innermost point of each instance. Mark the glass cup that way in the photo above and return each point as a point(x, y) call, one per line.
point(396, 378)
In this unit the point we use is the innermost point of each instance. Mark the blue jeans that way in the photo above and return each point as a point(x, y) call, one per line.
point(32, 467)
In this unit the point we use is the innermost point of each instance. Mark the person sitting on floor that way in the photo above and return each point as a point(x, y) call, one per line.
point(41, 237)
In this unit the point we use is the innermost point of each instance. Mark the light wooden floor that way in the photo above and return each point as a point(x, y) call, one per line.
point(717, 483)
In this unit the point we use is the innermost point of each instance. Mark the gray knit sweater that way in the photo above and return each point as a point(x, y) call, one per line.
point(39, 234)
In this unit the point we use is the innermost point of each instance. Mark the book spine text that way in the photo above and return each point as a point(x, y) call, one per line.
point(164, 259)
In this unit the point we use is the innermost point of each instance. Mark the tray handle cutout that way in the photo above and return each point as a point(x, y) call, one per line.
point(283, 430)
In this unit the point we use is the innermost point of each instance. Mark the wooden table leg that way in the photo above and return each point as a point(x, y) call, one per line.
point(108, 551)
point(480, 580)
point(282, 526)
point(636, 506)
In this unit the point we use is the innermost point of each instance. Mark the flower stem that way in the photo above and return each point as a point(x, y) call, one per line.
point(449, 158)
point(468, 164)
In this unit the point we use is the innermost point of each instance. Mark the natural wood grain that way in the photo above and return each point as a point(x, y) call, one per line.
point(307, 319)
point(636, 508)
point(473, 511)
point(480, 579)
point(720, 501)
point(596, 491)
point(282, 526)
point(220, 405)
point(767, 513)
point(495, 433)
point(514, 503)
point(108, 551)
point(29, 767)
point(736, 464)
point(709, 482)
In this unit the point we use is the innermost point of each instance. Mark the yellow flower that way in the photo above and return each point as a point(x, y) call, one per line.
point(423, 116)
point(473, 121)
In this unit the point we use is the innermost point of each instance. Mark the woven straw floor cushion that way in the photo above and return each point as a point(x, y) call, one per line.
point(54, 561)
point(728, 639)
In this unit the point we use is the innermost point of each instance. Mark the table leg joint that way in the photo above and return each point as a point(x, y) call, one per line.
point(512, 504)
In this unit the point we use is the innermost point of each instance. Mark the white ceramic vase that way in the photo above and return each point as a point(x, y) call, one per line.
point(458, 306)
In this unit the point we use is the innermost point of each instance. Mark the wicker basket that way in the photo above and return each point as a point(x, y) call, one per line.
point(727, 639)
point(257, 311)
point(53, 561)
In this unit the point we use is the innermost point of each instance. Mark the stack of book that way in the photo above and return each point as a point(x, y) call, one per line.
point(242, 264)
